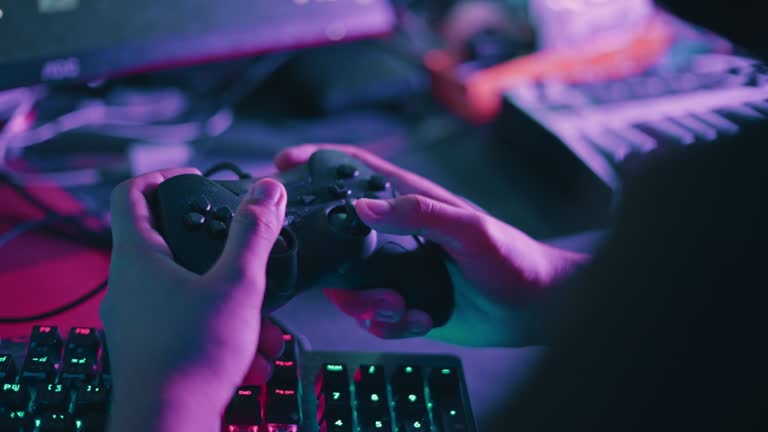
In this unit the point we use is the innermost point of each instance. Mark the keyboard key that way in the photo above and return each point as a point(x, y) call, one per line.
point(54, 422)
point(702, 130)
point(14, 421)
point(332, 378)
point(371, 378)
point(407, 379)
point(640, 141)
point(289, 350)
point(94, 422)
point(39, 367)
point(722, 124)
point(337, 419)
point(106, 366)
point(448, 408)
point(244, 410)
point(372, 404)
point(79, 366)
point(612, 145)
point(741, 114)
point(281, 407)
point(666, 132)
point(414, 424)
point(332, 398)
point(760, 106)
point(7, 368)
point(410, 404)
point(45, 336)
point(14, 396)
point(285, 374)
point(83, 339)
point(383, 424)
point(52, 398)
point(91, 399)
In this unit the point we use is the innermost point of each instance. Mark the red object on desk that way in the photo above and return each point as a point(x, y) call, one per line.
point(40, 271)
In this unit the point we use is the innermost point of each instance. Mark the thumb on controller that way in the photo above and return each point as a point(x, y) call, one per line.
point(254, 229)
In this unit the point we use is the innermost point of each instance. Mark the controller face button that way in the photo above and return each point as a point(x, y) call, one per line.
point(378, 183)
point(339, 189)
point(194, 220)
point(217, 228)
point(223, 214)
point(201, 205)
point(345, 171)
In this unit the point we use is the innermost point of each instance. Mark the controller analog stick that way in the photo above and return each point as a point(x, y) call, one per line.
point(281, 245)
point(344, 219)
point(284, 243)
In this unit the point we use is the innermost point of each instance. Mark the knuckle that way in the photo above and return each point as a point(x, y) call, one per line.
point(258, 221)
point(483, 238)
point(418, 204)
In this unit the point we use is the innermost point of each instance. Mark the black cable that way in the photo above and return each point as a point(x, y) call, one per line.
point(71, 305)
point(24, 193)
point(227, 166)
point(81, 235)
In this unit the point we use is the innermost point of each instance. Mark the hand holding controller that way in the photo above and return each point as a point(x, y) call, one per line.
point(323, 242)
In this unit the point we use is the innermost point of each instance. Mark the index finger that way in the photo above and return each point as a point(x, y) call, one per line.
point(405, 181)
point(131, 216)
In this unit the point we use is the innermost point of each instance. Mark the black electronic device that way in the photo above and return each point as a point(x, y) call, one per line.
point(608, 124)
point(323, 241)
point(50, 383)
point(61, 40)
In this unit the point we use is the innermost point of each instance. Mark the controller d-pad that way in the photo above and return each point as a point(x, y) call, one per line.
point(223, 214)
point(378, 183)
point(345, 171)
point(217, 228)
point(200, 205)
point(194, 220)
point(339, 189)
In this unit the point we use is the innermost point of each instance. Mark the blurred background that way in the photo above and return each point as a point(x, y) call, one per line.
point(500, 101)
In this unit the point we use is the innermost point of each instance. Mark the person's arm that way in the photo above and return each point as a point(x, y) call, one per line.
point(180, 343)
point(500, 274)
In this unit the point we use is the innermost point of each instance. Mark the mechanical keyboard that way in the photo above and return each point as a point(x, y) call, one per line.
point(52, 384)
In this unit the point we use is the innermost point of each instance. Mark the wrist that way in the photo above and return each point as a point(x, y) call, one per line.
point(180, 404)
point(560, 264)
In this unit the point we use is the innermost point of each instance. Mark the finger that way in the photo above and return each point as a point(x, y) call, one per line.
point(414, 323)
point(259, 372)
point(131, 216)
point(405, 181)
point(255, 227)
point(271, 342)
point(457, 230)
point(380, 304)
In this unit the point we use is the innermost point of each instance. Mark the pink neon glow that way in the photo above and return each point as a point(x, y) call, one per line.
point(244, 392)
point(285, 392)
point(283, 363)
point(82, 331)
point(287, 337)
point(45, 330)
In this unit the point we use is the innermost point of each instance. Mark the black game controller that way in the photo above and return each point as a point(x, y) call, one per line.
point(323, 242)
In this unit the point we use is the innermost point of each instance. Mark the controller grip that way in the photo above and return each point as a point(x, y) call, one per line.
point(416, 270)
